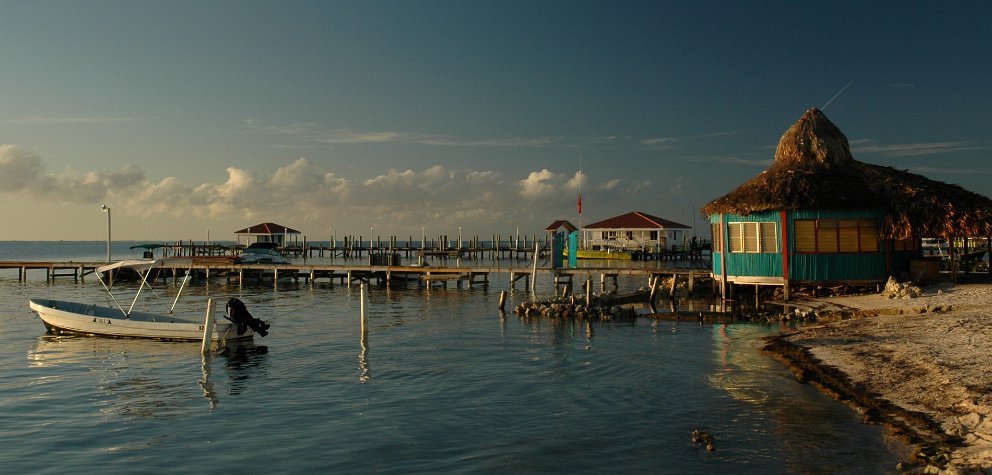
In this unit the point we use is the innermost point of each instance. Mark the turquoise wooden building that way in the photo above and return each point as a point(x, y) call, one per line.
point(817, 216)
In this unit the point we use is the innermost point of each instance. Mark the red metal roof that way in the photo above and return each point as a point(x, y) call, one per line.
point(267, 228)
point(636, 220)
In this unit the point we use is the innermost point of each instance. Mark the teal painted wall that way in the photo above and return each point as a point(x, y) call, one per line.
point(811, 267)
point(749, 264)
point(830, 267)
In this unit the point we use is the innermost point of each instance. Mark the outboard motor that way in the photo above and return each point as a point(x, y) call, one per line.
point(238, 313)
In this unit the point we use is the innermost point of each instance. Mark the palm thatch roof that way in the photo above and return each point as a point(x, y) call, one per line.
point(814, 169)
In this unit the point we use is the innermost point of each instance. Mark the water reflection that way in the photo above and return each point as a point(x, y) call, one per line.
point(142, 378)
point(205, 384)
point(363, 356)
point(243, 361)
point(740, 367)
point(240, 360)
point(748, 376)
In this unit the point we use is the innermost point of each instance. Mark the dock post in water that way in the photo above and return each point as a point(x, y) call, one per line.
point(533, 279)
point(208, 327)
point(502, 300)
point(361, 294)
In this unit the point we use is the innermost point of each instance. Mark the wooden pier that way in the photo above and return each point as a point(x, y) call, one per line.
point(206, 269)
point(76, 270)
point(351, 247)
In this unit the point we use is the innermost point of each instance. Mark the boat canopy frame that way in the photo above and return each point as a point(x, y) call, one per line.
point(143, 267)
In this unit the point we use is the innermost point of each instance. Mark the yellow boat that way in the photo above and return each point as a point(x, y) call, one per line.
point(602, 254)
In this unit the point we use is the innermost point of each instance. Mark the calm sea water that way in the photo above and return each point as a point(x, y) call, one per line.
point(443, 383)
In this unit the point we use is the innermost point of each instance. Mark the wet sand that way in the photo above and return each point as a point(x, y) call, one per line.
point(922, 366)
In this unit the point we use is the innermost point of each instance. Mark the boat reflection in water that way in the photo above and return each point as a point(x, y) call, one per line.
point(132, 377)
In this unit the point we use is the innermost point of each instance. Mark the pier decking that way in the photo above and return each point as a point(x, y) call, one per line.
point(205, 269)
point(522, 247)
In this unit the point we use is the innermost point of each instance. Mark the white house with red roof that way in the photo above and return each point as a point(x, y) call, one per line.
point(268, 232)
point(634, 231)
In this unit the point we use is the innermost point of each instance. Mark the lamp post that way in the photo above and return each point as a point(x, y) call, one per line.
point(107, 209)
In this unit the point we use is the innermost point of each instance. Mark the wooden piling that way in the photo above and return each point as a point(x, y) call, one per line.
point(208, 327)
point(361, 295)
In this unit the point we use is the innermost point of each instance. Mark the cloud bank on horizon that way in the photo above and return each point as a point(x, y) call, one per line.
point(406, 199)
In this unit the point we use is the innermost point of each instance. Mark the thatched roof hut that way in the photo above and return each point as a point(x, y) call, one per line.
point(814, 169)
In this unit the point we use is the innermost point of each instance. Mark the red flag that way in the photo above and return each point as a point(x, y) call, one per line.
point(580, 204)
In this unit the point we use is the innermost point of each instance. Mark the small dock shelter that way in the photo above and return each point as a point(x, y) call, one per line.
point(268, 232)
point(560, 234)
point(561, 226)
point(817, 216)
point(634, 231)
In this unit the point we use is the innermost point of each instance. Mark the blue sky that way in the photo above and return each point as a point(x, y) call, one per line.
point(189, 117)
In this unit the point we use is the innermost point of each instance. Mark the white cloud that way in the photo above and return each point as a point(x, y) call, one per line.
point(539, 184)
point(534, 142)
point(611, 184)
point(951, 171)
point(25, 172)
point(67, 120)
point(481, 177)
point(577, 182)
point(913, 149)
point(312, 133)
point(668, 143)
point(306, 194)
point(730, 160)
point(351, 137)
point(640, 186)
point(18, 169)
point(659, 143)
point(299, 174)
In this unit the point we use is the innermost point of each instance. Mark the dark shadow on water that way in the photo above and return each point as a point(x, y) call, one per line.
point(242, 360)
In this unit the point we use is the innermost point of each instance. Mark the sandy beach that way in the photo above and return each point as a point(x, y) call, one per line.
point(921, 365)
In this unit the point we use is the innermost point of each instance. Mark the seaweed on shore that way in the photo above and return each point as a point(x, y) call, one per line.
point(916, 428)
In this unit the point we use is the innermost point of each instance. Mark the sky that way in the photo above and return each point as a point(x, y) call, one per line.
point(195, 119)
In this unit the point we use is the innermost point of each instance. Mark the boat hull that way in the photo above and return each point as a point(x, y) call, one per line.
point(611, 254)
point(63, 317)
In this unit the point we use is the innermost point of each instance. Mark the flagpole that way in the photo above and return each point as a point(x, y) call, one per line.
point(582, 233)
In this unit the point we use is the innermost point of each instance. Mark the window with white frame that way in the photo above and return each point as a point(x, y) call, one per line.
point(753, 237)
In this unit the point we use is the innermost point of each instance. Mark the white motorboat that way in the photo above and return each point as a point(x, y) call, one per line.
point(261, 253)
point(64, 317)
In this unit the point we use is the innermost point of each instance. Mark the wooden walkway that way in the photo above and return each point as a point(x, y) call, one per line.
point(206, 269)
point(351, 247)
